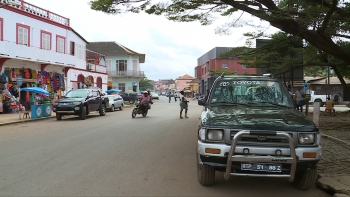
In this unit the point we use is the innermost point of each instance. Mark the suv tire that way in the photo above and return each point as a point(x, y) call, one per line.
point(58, 116)
point(131, 101)
point(83, 113)
point(206, 174)
point(305, 179)
point(121, 107)
point(102, 110)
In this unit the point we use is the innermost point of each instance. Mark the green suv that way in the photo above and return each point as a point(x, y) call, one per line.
point(249, 127)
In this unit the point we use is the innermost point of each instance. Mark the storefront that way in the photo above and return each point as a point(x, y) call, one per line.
point(53, 82)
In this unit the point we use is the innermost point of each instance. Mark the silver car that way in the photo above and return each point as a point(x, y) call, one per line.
point(115, 101)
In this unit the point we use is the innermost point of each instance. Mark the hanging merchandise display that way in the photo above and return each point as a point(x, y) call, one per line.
point(52, 82)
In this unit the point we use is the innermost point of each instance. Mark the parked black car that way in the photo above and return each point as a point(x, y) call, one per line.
point(81, 102)
point(130, 97)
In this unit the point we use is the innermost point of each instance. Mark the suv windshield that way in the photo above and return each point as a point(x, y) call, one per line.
point(254, 91)
point(82, 93)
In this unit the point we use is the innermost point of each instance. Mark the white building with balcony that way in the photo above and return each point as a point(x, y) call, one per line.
point(42, 48)
point(123, 65)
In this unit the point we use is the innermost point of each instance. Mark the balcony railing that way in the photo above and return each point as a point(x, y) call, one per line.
point(37, 11)
point(128, 73)
point(18, 51)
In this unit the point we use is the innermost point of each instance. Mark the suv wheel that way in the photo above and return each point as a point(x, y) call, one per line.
point(305, 179)
point(112, 108)
point(83, 113)
point(131, 101)
point(58, 116)
point(206, 174)
point(121, 107)
point(103, 110)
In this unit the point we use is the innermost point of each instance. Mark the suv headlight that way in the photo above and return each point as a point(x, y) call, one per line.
point(77, 103)
point(215, 135)
point(306, 138)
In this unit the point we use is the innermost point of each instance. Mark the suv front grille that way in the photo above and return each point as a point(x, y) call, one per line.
point(254, 140)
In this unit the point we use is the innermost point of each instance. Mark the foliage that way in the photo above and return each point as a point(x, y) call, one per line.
point(322, 23)
point(222, 71)
point(145, 84)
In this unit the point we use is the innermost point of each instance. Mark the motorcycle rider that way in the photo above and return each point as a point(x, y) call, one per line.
point(145, 99)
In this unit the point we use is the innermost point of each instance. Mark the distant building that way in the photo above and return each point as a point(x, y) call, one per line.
point(212, 61)
point(181, 82)
point(320, 85)
point(123, 65)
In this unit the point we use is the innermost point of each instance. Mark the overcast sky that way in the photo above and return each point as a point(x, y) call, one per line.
point(171, 48)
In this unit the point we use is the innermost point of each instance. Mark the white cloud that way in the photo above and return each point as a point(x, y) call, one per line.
point(171, 48)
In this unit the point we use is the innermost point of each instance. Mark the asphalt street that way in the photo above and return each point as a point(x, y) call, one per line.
point(117, 155)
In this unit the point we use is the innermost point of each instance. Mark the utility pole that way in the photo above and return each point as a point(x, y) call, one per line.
point(327, 76)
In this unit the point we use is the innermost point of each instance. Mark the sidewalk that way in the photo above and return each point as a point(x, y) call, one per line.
point(13, 118)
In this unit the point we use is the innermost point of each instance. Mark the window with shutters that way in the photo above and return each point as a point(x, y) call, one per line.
point(121, 86)
point(1, 29)
point(23, 34)
point(121, 65)
point(79, 51)
point(60, 44)
point(45, 40)
point(134, 65)
point(72, 48)
point(109, 64)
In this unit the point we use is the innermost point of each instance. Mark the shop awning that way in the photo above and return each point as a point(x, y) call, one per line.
point(36, 90)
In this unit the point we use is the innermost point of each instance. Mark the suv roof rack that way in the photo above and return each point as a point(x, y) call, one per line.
point(268, 75)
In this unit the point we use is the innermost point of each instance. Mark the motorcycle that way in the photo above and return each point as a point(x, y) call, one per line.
point(138, 110)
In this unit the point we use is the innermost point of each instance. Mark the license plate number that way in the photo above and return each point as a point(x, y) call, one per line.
point(265, 167)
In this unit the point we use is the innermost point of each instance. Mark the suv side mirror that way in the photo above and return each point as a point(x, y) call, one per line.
point(201, 102)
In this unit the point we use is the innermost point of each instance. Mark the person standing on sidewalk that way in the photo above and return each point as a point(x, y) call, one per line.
point(183, 104)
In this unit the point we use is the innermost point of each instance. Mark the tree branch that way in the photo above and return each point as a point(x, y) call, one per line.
point(323, 27)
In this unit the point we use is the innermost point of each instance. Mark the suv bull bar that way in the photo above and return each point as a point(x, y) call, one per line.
point(270, 159)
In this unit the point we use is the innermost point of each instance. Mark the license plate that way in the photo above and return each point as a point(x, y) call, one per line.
point(264, 167)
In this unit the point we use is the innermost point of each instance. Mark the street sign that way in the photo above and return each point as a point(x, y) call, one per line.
point(19, 80)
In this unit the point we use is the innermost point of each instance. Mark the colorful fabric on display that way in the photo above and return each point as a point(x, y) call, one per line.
point(17, 72)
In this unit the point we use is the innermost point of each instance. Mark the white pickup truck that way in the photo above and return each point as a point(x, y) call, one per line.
point(318, 98)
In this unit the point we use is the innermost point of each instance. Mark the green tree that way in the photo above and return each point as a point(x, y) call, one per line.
point(324, 24)
point(321, 23)
point(222, 71)
point(145, 84)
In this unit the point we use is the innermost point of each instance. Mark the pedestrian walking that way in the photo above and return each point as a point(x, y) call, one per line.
point(183, 104)
point(305, 86)
point(169, 95)
point(300, 99)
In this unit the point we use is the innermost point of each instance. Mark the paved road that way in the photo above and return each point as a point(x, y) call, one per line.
point(116, 155)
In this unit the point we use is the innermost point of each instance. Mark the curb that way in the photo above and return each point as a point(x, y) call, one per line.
point(22, 121)
point(336, 139)
point(37, 119)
